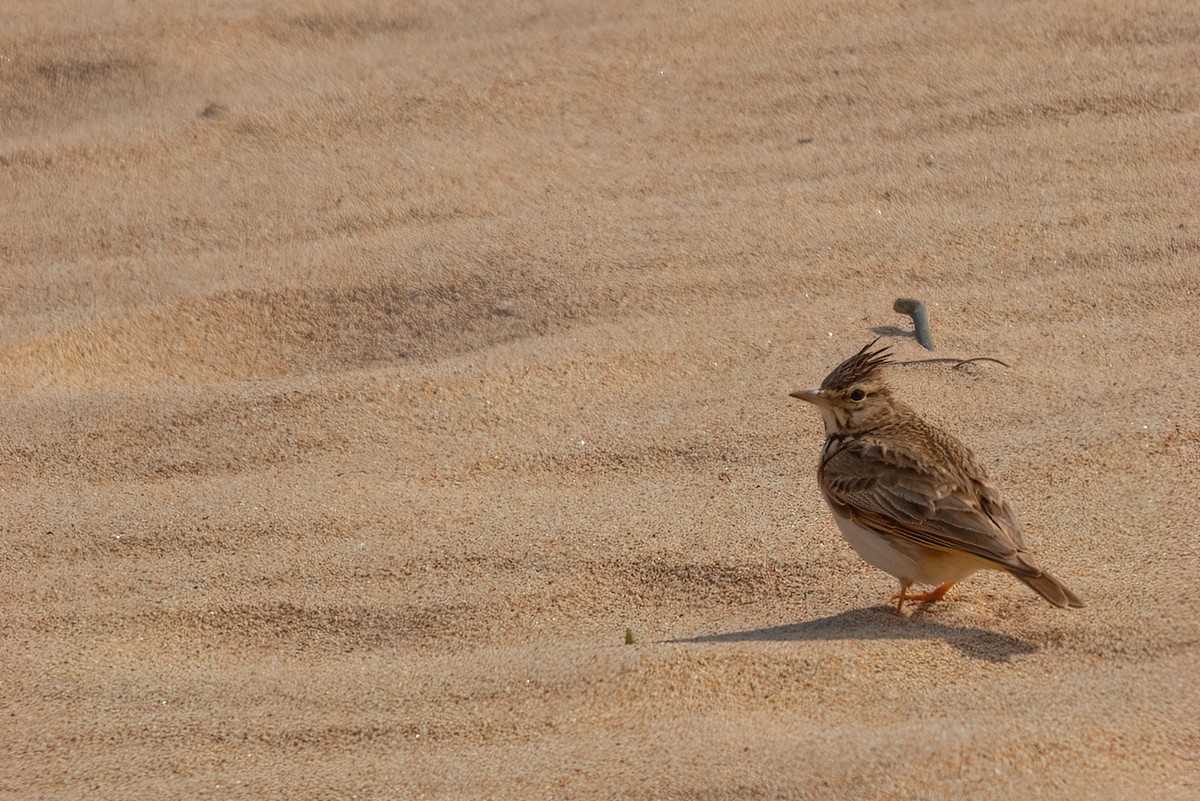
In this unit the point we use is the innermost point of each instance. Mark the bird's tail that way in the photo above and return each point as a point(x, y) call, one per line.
point(1052, 590)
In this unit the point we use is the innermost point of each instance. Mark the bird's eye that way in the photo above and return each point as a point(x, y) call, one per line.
point(857, 395)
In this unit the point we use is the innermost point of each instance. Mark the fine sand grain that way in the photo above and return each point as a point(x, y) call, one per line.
point(368, 370)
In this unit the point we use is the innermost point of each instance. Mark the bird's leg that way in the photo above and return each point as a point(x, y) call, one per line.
point(932, 595)
point(901, 597)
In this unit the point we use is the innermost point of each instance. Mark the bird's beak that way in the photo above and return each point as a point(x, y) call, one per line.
point(810, 395)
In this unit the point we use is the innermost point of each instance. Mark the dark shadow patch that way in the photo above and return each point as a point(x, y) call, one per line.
point(77, 73)
point(693, 582)
point(880, 623)
point(181, 435)
point(316, 28)
point(893, 331)
point(61, 82)
point(254, 334)
point(340, 628)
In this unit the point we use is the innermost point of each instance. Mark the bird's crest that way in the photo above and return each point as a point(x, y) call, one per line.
point(865, 365)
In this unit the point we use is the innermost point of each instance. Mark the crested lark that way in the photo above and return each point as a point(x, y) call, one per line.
point(911, 499)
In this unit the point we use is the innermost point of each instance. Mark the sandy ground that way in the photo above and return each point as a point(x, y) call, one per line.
point(368, 370)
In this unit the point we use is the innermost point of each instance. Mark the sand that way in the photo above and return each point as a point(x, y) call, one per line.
point(369, 370)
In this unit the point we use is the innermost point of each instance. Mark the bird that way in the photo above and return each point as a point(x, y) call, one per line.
point(910, 498)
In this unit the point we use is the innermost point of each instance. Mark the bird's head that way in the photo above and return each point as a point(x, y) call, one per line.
point(854, 397)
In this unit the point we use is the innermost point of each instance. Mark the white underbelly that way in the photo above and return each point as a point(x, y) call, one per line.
point(905, 560)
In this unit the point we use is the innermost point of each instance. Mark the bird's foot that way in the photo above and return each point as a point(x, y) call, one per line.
point(921, 597)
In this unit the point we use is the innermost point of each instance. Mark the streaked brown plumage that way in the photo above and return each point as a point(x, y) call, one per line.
point(910, 498)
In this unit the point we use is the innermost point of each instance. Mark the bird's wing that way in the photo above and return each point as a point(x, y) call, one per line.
point(886, 489)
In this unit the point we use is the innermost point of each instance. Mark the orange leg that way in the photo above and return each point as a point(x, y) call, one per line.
point(933, 595)
point(921, 597)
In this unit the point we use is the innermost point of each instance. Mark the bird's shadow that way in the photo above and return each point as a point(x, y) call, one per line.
point(881, 623)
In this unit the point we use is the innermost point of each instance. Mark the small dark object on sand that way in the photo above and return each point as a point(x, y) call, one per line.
point(916, 310)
